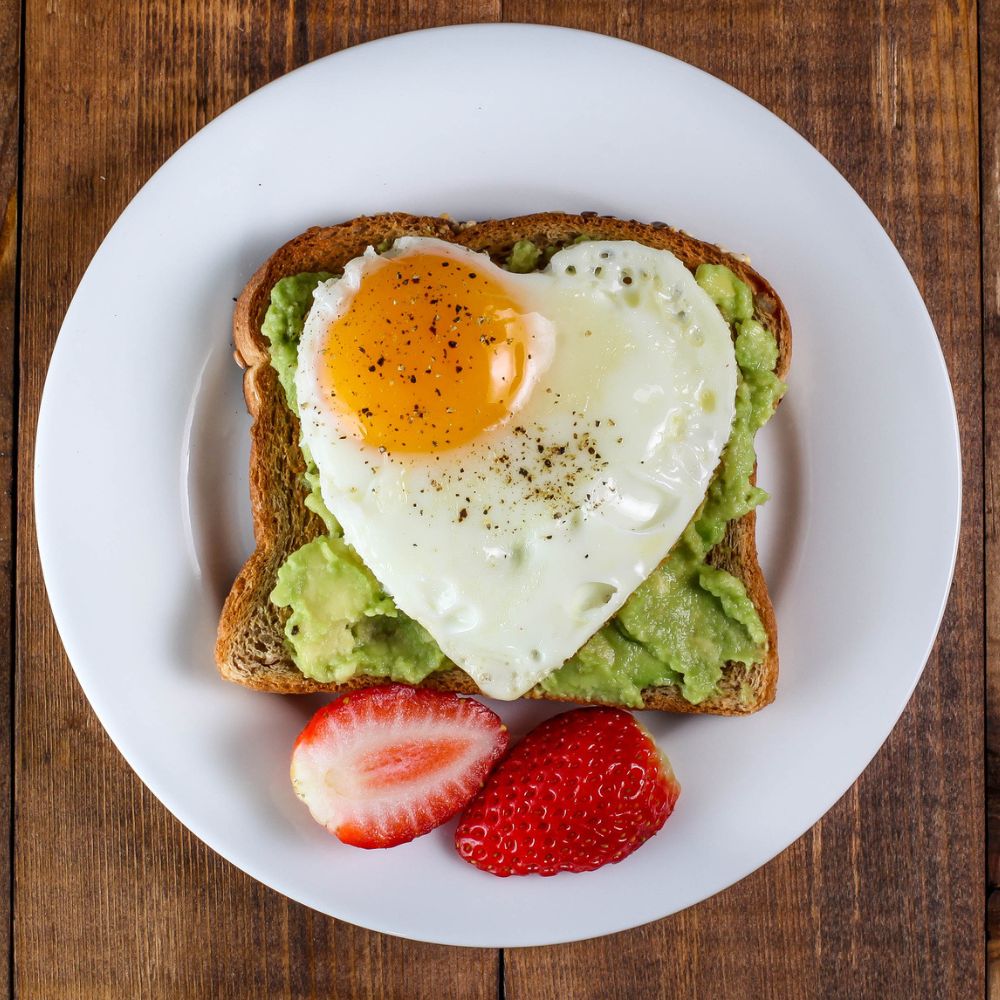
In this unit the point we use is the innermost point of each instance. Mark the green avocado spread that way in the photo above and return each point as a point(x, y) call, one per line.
point(679, 627)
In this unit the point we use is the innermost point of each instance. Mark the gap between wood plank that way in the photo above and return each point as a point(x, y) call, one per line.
point(989, 209)
point(992, 899)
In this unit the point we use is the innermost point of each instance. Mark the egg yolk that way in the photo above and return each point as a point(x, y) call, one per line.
point(430, 352)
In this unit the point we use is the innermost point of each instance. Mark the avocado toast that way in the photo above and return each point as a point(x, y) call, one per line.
point(254, 645)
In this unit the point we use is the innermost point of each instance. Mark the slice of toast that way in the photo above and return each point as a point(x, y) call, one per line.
point(251, 647)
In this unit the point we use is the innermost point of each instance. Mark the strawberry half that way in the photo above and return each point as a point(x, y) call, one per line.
point(385, 764)
point(584, 789)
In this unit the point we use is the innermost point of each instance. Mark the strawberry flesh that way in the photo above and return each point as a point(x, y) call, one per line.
point(385, 764)
point(584, 789)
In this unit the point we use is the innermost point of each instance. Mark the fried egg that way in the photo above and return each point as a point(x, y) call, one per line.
point(513, 454)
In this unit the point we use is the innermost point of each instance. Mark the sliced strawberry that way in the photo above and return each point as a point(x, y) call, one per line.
point(385, 764)
point(584, 789)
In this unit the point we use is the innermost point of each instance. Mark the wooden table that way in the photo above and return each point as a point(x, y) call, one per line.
point(887, 896)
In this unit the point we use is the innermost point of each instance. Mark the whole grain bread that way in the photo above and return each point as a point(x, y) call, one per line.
point(251, 647)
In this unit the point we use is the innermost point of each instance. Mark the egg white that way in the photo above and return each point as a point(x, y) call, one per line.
point(508, 550)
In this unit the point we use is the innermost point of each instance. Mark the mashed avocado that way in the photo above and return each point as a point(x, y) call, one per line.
point(343, 622)
point(283, 321)
point(679, 627)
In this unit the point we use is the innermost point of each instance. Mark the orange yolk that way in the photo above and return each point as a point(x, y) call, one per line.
point(430, 352)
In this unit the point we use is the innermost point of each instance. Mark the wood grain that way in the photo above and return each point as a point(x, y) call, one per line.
point(115, 898)
point(10, 51)
point(884, 897)
point(879, 898)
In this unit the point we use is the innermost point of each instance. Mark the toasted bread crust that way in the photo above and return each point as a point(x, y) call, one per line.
point(251, 648)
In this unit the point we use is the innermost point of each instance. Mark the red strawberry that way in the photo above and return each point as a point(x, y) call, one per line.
point(385, 764)
point(583, 789)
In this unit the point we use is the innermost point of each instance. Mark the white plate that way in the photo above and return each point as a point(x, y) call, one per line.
point(141, 481)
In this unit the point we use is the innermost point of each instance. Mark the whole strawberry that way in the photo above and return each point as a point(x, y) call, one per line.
point(584, 789)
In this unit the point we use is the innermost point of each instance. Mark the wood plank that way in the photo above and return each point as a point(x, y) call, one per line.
point(989, 95)
point(10, 100)
point(114, 897)
point(884, 896)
